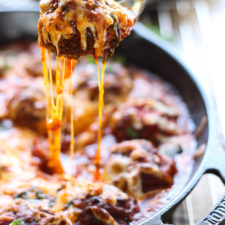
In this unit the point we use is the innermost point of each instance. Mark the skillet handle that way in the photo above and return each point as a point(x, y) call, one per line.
point(215, 163)
point(216, 216)
point(154, 221)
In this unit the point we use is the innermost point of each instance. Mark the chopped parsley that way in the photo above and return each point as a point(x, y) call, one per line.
point(5, 67)
point(90, 59)
point(40, 195)
point(180, 149)
point(17, 222)
point(22, 195)
point(131, 133)
point(172, 151)
point(70, 203)
point(51, 202)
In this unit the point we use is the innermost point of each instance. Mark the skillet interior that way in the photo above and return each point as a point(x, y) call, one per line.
point(138, 51)
point(151, 55)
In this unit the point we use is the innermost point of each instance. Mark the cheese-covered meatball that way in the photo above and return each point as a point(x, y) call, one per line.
point(27, 107)
point(145, 119)
point(73, 28)
point(137, 168)
point(110, 207)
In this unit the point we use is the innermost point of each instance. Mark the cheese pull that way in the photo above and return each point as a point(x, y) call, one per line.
point(54, 92)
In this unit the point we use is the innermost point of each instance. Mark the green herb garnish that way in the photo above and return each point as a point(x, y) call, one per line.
point(172, 151)
point(22, 195)
point(180, 149)
point(70, 203)
point(5, 67)
point(17, 222)
point(51, 202)
point(40, 195)
point(90, 59)
point(131, 133)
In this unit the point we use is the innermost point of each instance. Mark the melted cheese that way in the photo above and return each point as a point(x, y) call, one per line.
point(72, 141)
point(60, 23)
point(55, 110)
point(100, 108)
point(54, 96)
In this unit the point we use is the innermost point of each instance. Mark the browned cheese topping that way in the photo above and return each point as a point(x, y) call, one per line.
point(137, 168)
point(74, 28)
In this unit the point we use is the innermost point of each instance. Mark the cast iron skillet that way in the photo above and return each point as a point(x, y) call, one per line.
point(145, 50)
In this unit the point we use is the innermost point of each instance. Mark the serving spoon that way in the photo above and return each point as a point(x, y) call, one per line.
point(136, 6)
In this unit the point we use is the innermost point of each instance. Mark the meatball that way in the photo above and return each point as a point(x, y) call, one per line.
point(106, 205)
point(73, 28)
point(145, 119)
point(118, 83)
point(137, 168)
point(27, 107)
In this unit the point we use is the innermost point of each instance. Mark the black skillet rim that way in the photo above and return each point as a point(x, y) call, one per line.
point(211, 162)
